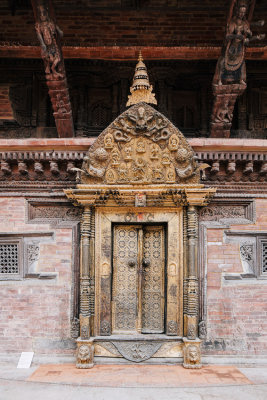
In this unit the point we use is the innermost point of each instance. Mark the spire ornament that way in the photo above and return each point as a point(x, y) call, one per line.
point(141, 90)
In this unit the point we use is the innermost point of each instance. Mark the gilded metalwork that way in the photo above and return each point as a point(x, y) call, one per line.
point(138, 279)
point(153, 280)
point(140, 147)
point(141, 90)
point(125, 284)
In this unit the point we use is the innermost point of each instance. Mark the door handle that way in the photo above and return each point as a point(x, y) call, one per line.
point(131, 263)
point(146, 263)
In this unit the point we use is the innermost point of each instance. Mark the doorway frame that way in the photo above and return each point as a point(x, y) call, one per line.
point(105, 218)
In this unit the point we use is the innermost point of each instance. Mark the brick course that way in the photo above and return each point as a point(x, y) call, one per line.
point(192, 24)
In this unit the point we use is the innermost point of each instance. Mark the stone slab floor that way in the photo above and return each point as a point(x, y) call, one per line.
point(132, 382)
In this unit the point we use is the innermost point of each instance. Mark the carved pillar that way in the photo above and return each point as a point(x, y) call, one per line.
point(85, 354)
point(192, 353)
point(185, 259)
point(49, 36)
point(192, 291)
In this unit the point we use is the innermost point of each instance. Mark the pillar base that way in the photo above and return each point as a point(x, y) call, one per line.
point(85, 353)
point(192, 353)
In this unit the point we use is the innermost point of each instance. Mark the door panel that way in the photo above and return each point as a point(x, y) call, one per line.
point(138, 279)
point(124, 290)
point(153, 280)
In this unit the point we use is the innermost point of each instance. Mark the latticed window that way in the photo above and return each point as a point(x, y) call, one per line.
point(10, 259)
point(264, 257)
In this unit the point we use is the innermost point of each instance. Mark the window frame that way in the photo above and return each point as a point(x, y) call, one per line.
point(261, 239)
point(20, 275)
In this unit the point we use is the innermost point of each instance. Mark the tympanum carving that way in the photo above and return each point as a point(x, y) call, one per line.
point(140, 147)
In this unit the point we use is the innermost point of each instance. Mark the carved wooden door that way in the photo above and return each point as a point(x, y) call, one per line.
point(138, 279)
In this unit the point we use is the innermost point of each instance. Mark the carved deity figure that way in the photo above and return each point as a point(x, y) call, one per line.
point(231, 66)
point(47, 33)
point(222, 113)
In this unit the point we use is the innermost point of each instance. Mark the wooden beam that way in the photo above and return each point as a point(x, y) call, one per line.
point(116, 53)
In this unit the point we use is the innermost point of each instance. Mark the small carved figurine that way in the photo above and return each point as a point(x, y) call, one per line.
point(85, 356)
point(47, 33)
point(192, 356)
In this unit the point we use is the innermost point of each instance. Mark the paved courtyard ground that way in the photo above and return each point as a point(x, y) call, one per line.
point(128, 382)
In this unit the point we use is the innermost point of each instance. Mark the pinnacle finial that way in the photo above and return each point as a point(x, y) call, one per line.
point(141, 90)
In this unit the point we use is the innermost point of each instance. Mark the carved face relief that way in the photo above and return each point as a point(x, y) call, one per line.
point(193, 354)
point(83, 353)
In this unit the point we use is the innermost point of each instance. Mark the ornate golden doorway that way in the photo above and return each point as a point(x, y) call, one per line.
point(139, 181)
point(138, 279)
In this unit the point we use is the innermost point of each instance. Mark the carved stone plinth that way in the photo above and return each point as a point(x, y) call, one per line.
point(85, 353)
point(192, 353)
point(223, 107)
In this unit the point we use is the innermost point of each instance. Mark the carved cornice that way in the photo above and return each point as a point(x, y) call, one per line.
point(227, 170)
point(155, 195)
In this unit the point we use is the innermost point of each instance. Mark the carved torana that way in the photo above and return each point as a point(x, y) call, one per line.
point(140, 147)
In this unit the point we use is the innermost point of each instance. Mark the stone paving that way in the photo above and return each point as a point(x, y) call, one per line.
point(128, 382)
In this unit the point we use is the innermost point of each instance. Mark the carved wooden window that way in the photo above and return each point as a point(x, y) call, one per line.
point(100, 115)
point(263, 257)
point(11, 259)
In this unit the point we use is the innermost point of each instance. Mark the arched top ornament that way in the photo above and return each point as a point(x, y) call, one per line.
point(141, 147)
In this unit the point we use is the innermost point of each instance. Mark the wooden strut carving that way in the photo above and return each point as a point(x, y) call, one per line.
point(229, 80)
point(49, 35)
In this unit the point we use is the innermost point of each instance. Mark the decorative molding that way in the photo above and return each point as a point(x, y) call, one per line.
point(137, 351)
point(57, 168)
point(57, 213)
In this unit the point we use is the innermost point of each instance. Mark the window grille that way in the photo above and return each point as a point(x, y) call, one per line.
point(9, 258)
point(264, 257)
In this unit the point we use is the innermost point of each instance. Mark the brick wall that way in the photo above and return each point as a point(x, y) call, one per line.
point(5, 106)
point(35, 313)
point(237, 310)
point(187, 24)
